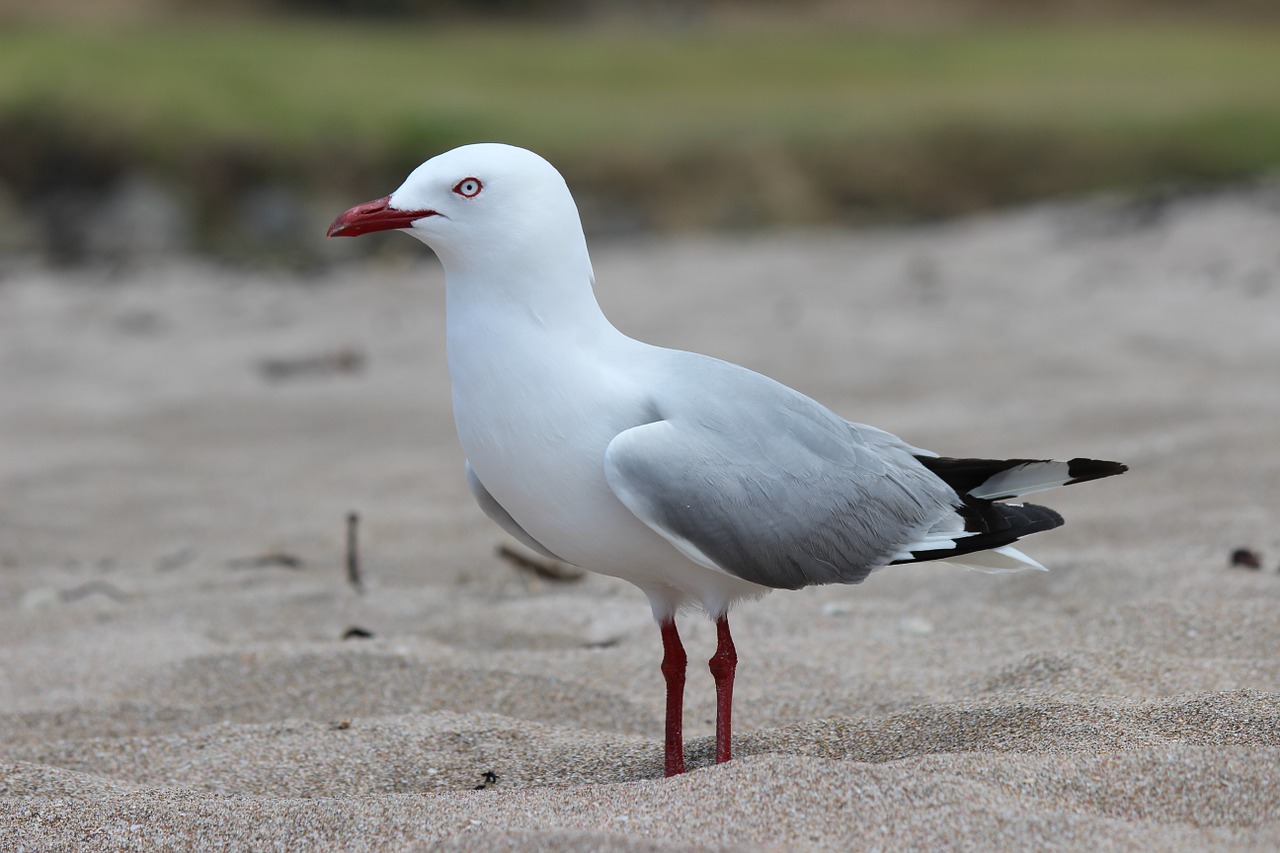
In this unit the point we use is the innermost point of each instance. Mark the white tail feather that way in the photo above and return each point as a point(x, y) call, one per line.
point(1023, 480)
point(1006, 558)
point(932, 541)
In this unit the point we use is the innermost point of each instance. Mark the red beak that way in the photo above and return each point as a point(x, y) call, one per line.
point(374, 216)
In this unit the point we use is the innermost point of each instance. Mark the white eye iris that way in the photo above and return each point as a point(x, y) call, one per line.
point(468, 187)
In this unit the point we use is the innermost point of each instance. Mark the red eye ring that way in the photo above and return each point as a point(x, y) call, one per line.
point(468, 187)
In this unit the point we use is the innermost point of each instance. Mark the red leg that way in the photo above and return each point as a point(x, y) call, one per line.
point(673, 666)
point(723, 664)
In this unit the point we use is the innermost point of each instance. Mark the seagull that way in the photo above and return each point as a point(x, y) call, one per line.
point(699, 481)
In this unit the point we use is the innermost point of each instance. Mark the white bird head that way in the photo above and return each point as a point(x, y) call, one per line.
point(477, 205)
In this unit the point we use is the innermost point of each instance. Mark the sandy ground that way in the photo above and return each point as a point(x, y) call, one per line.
point(162, 686)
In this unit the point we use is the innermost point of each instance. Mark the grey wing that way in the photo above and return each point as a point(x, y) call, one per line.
point(888, 439)
point(501, 517)
point(784, 494)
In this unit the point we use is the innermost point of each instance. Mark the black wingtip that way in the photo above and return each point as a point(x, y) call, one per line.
point(992, 525)
point(1082, 470)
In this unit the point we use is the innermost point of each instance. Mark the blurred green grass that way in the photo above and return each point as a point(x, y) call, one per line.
point(917, 123)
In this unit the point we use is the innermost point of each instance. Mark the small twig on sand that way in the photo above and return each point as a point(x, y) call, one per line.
point(262, 561)
point(339, 361)
point(551, 570)
point(353, 553)
point(85, 590)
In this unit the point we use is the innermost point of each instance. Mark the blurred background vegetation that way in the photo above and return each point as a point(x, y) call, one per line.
point(237, 130)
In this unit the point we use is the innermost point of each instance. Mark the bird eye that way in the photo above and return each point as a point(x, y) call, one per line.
point(468, 187)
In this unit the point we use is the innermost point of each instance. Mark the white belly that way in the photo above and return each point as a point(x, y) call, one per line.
point(541, 455)
point(535, 414)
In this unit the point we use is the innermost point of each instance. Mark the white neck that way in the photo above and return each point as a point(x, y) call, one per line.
point(533, 281)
